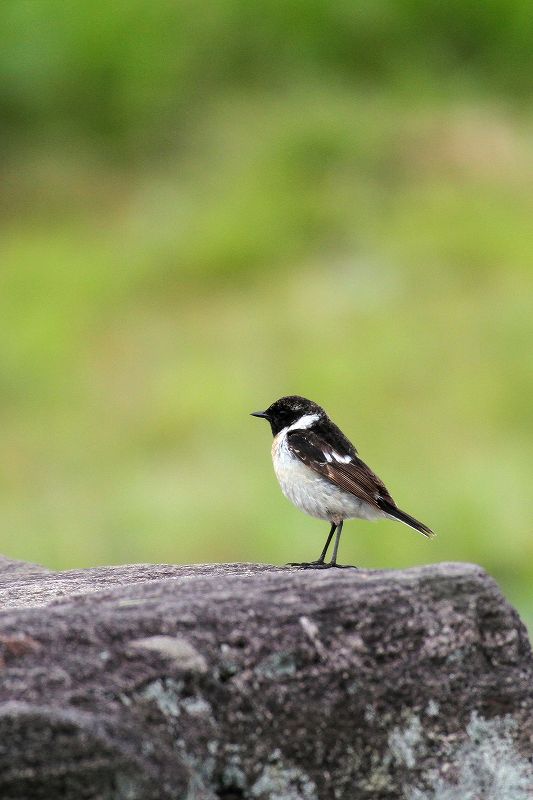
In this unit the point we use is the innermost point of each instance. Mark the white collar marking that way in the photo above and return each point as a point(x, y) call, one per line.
point(303, 423)
point(300, 425)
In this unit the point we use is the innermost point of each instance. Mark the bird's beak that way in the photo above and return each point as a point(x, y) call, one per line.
point(262, 414)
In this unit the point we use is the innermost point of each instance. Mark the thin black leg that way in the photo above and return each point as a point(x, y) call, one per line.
point(320, 561)
point(325, 550)
point(333, 562)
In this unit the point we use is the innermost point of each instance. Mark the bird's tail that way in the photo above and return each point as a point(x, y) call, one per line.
point(396, 513)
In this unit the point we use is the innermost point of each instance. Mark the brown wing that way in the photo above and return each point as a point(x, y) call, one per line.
point(345, 469)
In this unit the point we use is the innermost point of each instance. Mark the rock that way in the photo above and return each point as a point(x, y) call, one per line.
point(246, 681)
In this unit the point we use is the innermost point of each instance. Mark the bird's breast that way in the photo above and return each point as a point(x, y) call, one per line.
point(290, 471)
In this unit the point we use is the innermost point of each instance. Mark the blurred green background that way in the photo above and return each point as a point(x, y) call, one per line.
point(206, 206)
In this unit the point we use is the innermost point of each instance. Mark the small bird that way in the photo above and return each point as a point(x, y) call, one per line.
point(319, 471)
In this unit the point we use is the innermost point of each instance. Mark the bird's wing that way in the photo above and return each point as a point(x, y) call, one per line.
point(340, 465)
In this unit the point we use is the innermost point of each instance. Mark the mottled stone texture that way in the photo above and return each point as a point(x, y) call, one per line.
point(246, 681)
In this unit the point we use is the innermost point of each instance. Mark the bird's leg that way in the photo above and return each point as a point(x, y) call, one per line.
point(333, 562)
point(325, 550)
point(319, 563)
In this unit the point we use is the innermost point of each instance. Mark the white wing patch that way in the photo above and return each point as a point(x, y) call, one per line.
point(339, 458)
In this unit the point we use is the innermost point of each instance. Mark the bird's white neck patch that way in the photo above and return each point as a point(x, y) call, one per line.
point(303, 423)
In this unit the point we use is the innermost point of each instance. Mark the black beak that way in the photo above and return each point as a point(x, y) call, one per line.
point(262, 414)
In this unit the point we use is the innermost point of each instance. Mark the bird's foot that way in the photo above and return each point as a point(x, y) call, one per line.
point(320, 565)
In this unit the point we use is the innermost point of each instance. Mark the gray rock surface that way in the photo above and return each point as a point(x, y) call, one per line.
point(246, 681)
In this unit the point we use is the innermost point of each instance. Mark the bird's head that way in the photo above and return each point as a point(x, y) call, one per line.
point(292, 411)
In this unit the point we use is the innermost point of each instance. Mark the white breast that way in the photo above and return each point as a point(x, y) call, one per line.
point(312, 493)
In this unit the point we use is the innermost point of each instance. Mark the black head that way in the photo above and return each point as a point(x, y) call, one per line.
point(288, 410)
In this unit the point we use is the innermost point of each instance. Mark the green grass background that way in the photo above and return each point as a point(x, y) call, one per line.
point(206, 206)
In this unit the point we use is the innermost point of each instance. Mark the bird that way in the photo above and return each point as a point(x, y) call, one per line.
point(319, 470)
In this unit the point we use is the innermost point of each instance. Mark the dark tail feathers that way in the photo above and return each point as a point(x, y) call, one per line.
point(396, 513)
